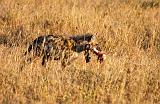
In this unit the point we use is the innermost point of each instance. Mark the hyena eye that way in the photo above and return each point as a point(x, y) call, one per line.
point(87, 46)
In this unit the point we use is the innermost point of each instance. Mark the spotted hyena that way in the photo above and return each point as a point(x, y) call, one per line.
point(65, 49)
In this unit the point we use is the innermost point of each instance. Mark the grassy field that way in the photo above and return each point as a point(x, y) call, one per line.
point(128, 30)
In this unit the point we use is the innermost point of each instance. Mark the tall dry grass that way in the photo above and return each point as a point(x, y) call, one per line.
point(128, 30)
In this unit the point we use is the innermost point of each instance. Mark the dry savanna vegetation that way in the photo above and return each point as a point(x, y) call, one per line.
point(127, 30)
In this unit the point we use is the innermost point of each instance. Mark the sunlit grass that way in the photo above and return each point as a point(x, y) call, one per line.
point(128, 30)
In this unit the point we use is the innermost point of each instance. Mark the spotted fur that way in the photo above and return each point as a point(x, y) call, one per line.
point(62, 48)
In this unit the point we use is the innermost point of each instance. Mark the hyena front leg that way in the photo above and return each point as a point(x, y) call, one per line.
point(87, 53)
point(87, 56)
point(73, 58)
point(67, 60)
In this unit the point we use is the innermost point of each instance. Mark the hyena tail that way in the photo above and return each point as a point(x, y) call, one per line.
point(29, 49)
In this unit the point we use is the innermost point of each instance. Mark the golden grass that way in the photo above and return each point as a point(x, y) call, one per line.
point(128, 30)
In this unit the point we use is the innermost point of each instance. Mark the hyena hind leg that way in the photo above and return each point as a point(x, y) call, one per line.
point(45, 59)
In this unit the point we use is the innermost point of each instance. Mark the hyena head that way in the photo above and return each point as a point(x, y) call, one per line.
point(87, 43)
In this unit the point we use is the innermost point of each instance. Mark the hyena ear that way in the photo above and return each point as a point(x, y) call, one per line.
point(93, 40)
